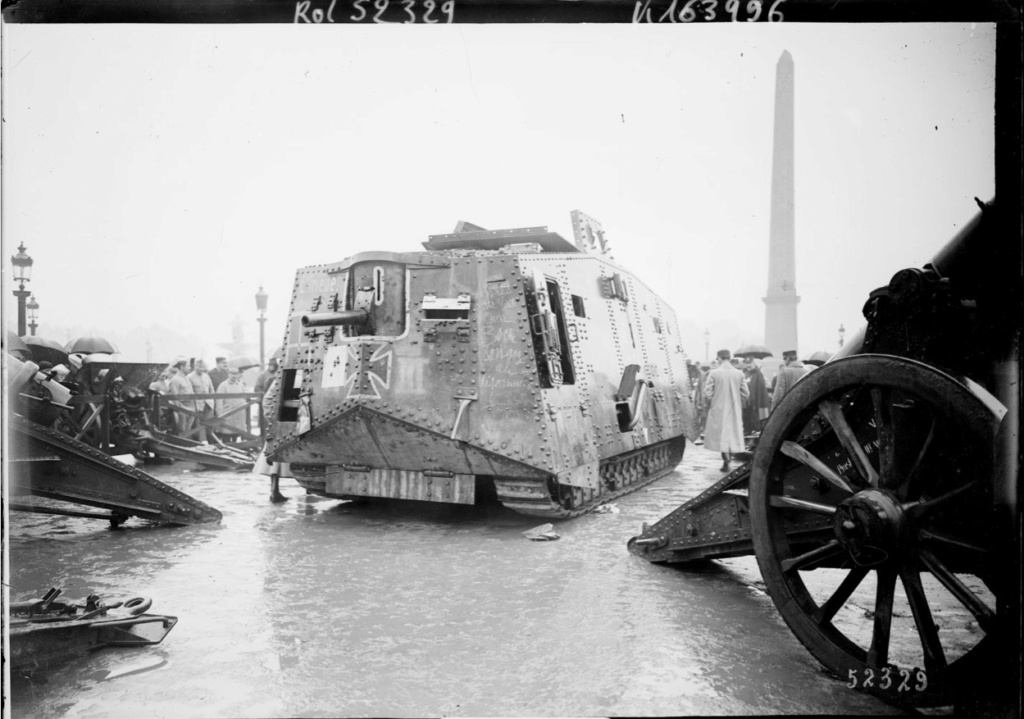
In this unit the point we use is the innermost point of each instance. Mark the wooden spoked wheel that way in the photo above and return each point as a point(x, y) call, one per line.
point(875, 528)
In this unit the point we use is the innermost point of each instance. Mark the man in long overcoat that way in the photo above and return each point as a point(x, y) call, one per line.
point(232, 385)
point(725, 389)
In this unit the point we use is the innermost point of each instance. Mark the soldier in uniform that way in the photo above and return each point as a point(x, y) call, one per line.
point(179, 384)
point(219, 373)
point(275, 470)
point(266, 377)
point(202, 384)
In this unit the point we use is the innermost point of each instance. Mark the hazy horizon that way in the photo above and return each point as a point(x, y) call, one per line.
point(159, 175)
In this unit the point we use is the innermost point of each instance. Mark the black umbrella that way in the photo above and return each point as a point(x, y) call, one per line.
point(46, 350)
point(16, 346)
point(88, 345)
point(817, 358)
point(756, 351)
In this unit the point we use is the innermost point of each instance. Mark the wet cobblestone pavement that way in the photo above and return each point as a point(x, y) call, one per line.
point(317, 607)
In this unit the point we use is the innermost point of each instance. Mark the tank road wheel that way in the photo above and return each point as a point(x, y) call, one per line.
point(630, 470)
point(612, 476)
point(874, 527)
point(608, 477)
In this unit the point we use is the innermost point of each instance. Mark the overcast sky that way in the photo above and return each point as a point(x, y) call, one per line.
point(161, 174)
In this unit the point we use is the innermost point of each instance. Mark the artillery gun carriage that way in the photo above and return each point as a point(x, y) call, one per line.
point(507, 362)
point(891, 471)
point(51, 453)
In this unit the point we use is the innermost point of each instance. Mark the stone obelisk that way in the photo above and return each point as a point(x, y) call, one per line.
point(781, 300)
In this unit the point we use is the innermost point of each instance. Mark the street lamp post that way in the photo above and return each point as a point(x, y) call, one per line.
point(33, 314)
point(22, 273)
point(707, 344)
point(842, 334)
point(261, 307)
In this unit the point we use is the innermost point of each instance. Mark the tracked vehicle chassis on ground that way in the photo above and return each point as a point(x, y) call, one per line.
point(509, 357)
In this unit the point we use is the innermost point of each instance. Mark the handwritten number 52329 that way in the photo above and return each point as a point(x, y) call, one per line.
point(409, 9)
point(909, 680)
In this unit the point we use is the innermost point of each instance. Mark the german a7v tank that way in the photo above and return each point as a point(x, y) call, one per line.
point(507, 360)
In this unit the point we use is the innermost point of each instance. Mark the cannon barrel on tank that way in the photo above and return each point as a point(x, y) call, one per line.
point(334, 319)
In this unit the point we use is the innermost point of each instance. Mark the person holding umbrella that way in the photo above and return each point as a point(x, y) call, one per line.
point(756, 411)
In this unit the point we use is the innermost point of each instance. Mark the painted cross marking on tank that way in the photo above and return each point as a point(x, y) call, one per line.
point(373, 373)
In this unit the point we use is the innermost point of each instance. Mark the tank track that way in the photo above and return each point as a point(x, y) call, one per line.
point(90, 476)
point(620, 475)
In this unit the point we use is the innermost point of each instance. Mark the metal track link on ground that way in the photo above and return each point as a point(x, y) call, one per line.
point(48, 463)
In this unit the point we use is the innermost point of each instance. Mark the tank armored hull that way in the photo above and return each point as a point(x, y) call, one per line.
point(509, 358)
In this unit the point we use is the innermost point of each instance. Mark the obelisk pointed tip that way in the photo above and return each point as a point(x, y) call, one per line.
point(786, 57)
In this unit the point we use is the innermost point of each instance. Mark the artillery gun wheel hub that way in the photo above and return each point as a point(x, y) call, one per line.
point(871, 526)
point(875, 527)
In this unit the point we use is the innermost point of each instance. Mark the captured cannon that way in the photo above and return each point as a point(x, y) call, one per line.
point(45, 460)
point(509, 363)
point(112, 408)
point(883, 491)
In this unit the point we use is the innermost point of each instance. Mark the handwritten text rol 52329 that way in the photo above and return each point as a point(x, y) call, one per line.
point(386, 12)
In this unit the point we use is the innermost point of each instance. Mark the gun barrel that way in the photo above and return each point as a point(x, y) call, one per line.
point(333, 319)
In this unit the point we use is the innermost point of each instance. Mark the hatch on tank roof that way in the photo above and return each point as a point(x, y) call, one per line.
point(470, 237)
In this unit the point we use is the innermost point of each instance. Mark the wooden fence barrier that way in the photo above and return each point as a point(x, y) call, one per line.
point(215, 423)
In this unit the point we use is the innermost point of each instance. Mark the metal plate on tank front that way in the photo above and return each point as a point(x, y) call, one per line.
point(400, 484)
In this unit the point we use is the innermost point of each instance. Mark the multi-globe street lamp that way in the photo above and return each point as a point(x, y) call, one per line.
point(261, 307)
point(22, 264)
point(33, 314)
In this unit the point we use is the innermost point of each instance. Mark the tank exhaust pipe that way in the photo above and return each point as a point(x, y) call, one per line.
point(334, 319)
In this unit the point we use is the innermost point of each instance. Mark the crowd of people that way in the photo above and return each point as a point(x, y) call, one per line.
point(731, 396)
point(733, 400)
point(192, 377)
